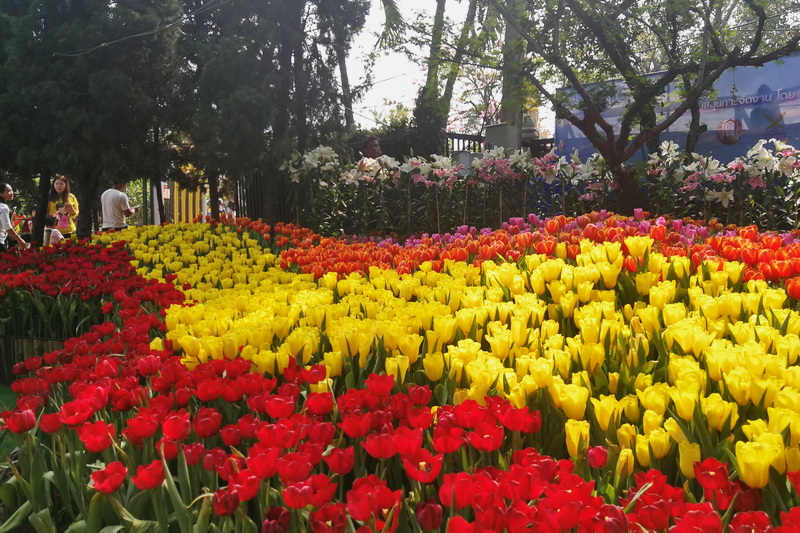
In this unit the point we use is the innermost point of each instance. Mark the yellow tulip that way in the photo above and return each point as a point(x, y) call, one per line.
point(626, 435)
point(409, 346)
point(592, 356)
point(792, 454)
point(630, 406)
point(625, 464)
point(334, 362)
point(577, 436)
point(609, 273)
point(643, 381)
point(190, 346)
point(604, 409)
point(500, 343)
point(717, 411)
point(434, 342)
point(562, 362)
point(541, 370)
point(613, 382)
point(651, 421)
point(645, 281)
point(445, 326)
point(659, 441)
point(788, 348)
point(753, 460)
point(551, 270)
point(433, 363)
point(663, 293)
point(638, 245)
point(684, 401)
point(674, 430)
point(655, 397)
point(774, 440)
point(643, 451)
point(680, 265)
point(754, 428)
point(780, 418)
point(763, 391)
point(788, 398)
point(738, 384)
point(689, 454)
point(650, 318)
point(673, 313)
point(573, 400)
point(397, 366)
point(518, 397)
point(585, 291)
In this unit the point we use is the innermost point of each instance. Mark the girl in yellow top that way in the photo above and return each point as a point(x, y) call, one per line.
point(63, 205)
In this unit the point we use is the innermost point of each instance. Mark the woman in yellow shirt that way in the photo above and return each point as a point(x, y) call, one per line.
point(63, 205)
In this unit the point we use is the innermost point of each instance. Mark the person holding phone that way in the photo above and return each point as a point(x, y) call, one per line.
point(63, 205)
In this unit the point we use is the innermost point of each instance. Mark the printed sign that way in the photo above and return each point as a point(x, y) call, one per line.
point(747, 104)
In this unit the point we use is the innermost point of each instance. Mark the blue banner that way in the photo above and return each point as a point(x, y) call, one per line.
point(746, 105)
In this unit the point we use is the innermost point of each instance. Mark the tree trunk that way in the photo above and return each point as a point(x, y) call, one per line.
point(213, 194)
point(630, 195)
point(347, 97)
point(428, 114)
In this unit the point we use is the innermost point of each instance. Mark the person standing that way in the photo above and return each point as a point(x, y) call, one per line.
point(116, 207)
point(6, 227)
point(63, 205)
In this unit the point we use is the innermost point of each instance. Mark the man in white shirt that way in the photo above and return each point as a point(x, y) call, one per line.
point(115, 207)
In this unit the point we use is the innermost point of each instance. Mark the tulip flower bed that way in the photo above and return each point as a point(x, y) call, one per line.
point(598, 373)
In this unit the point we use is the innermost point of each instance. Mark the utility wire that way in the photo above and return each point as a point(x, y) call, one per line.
point(211, 4)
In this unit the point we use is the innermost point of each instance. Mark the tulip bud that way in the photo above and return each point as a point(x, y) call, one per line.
point(625, 463)
point(577, 436)
point(597, 456)
point(689, 454)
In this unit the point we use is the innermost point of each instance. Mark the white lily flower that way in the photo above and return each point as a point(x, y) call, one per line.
point(722, 197)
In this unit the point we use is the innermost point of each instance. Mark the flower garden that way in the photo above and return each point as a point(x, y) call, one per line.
point(596, 373)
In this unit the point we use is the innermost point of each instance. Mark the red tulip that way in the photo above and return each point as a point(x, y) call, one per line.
point(225, 502)
point(263, 461)
point(711, 474)
point(370, 499)
point(294, 466)
point(50, 422)
point(96, 436)
point(340, 460)
point(19, 421)
point(422, 466)
point(110, 479)
point(149, 476)
point(429, 515)
point(486, 437)
point(276, 520)
point(750, 522)
point(698, 518)
point(76, 412)
point(380, 445)
point(330, 518)
point(319, 403)
point(176, 426)
point(597, 456)
point(206, 422)
point(457, 490)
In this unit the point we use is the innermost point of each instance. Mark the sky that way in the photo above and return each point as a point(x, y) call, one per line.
point(395, 77)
